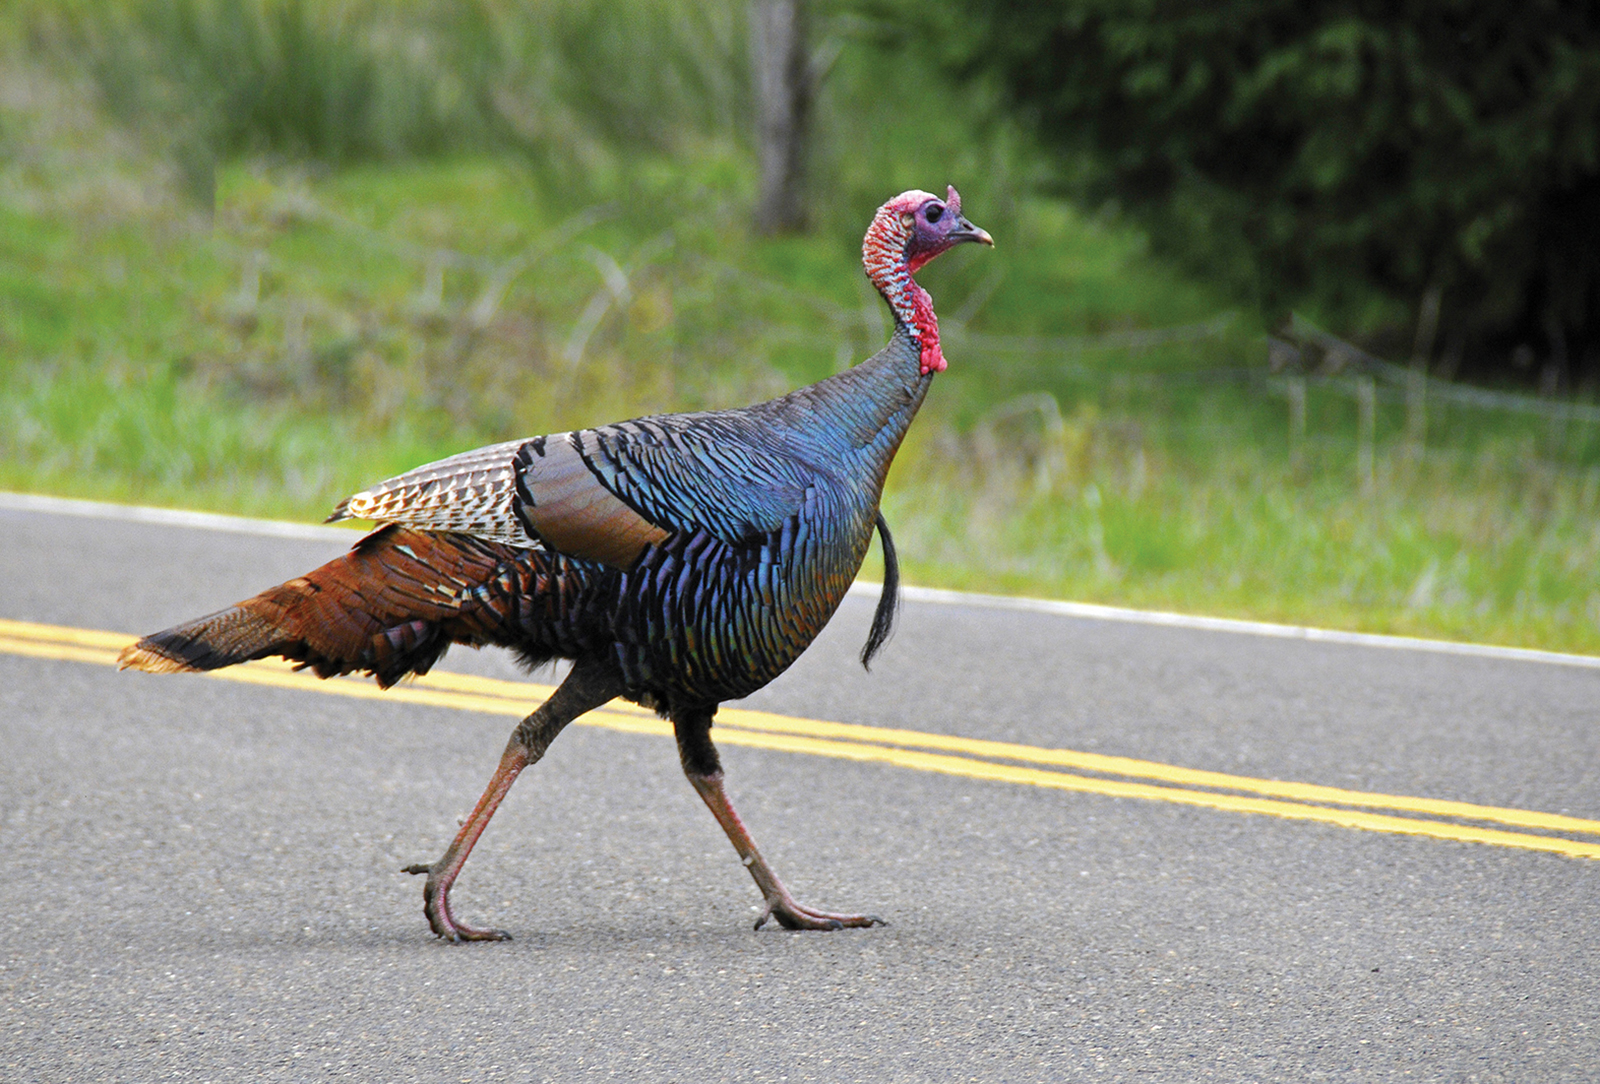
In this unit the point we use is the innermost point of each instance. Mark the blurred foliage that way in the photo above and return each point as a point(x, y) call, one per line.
point(1305, 151)
point(533, 216)
point(574, 90)
point(359, 80)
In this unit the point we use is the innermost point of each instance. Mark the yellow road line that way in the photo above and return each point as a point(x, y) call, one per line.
point(901, 748)
point(1010, 773)
point(64, 634)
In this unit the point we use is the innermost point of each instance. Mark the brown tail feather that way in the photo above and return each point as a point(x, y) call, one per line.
point(206, 643)
point(388, 607)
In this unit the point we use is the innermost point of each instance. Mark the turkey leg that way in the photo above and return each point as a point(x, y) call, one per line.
point(704, 769)
point(587, 687)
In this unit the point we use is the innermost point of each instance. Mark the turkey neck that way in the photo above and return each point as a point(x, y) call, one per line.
point(852, 424)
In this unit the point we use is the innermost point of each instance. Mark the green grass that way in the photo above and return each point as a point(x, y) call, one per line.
point(307, 328)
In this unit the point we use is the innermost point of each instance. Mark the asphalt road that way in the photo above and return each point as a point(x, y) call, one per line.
point(201, 876)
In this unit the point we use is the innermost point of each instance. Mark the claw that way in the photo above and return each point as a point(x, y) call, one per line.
point(436, 906)
point(797, 916)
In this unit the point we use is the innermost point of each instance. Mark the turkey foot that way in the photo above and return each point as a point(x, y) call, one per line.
point(588, 686)
point(792, 915)
point(443, 873)
point(436, 905)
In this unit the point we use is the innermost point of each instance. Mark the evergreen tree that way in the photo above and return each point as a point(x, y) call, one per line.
point(1316, 149)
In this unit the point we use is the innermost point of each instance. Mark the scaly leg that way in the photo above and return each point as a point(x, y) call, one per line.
point(704, 769)
point(587, 687)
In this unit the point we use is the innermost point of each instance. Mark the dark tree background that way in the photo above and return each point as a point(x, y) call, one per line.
point(780, 69)
point(1310, 149)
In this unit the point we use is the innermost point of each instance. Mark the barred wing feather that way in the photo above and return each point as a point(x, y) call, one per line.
point(471, 493)
point(599, 494)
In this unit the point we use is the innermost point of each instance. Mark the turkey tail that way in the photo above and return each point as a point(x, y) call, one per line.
point(389, 607)
point(207, 643)
point(888, 600)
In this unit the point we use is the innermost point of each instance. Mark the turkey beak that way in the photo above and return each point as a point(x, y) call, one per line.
point(966, 231)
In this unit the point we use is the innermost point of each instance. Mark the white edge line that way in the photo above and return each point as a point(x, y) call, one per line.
point(211, 521)
point(1094, 612)
point(172, 517)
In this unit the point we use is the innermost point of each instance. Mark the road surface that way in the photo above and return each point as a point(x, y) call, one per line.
point(202, 875)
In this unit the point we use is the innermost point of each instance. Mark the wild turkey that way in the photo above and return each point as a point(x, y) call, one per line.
point(678, 560)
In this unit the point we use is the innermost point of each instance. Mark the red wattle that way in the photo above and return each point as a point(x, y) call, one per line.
point(927, 325)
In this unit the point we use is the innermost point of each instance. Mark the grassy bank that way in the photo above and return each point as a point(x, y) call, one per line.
point(1108, 430)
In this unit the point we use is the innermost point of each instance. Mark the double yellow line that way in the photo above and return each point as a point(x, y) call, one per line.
point(970, 758)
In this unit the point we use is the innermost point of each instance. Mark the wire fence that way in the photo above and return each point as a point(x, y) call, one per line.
point(1304, 339)
point(1300, 358)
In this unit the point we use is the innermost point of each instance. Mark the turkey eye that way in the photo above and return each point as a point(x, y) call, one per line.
point(935, 212)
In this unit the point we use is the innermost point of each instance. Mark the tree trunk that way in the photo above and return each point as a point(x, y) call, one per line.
point(782, 71)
